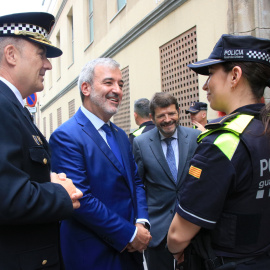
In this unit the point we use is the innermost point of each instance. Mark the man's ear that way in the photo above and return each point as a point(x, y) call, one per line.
point(236, 74)
point(86, 88)
point(11, 54)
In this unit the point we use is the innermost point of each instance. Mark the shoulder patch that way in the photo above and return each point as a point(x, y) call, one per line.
point(194, 171)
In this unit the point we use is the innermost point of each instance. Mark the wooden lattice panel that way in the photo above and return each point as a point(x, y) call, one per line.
point(176, 77)
point(122, 118)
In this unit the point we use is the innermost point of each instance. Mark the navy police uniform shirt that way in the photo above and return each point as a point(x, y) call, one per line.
point(220, 194)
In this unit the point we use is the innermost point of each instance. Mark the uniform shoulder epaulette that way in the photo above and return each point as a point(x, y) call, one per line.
point(235, 123)
point(220, 122)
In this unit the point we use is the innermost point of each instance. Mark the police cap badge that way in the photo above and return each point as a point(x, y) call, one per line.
point(237, 49)
point(33, 26)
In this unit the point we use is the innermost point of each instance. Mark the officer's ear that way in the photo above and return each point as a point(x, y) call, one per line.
point(11, 54)
point(203, 114)
point(236, 75)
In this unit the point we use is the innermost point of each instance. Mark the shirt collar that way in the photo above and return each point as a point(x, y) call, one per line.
point(173, 136)
point(14, 90)
point(97, 122)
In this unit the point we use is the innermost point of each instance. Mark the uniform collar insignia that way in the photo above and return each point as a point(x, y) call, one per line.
point(36, 139)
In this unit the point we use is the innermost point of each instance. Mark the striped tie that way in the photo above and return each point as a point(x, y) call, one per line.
point(171, 158)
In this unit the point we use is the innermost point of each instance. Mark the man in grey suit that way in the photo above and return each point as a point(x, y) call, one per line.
point(162, 155)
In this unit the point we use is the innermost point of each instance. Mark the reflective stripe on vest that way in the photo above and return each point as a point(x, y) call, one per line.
point(228, 142)
point(138, 131)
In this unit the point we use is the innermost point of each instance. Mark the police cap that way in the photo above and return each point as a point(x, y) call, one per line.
point(231, 48)
point(195, 107)
point(33, 26)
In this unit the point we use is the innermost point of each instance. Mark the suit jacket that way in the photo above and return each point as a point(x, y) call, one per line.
point(161, 189)
point(30, 206)
point(113, 199)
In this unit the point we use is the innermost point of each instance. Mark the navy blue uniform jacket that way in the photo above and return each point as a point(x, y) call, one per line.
point(30, 206)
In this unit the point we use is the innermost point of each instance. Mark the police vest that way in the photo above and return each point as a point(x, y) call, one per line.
point(245, 228)
point(139, 131)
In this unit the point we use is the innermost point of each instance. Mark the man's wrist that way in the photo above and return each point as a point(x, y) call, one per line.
point(146, 226)
point(144, 223)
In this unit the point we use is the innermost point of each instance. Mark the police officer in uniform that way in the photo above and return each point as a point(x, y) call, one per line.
point(227, 188)
point(142, 118)
point(198, 115)
point(33, 200)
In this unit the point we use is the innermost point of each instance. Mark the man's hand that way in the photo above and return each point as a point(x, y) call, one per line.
point(141, 239)
point(74, 193)
point(199, 126)
point(179, 257)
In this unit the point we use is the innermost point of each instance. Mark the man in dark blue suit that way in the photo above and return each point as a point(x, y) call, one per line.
point(109, 231)
point(31, 205)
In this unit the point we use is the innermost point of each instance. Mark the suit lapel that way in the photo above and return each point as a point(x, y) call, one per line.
point(183, 146)
point(91, 131)
point(13, 99)
point(126, 170)
point(122, 148)
point(37, 131)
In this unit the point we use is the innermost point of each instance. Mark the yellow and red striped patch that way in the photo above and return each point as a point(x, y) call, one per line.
point(196, 172)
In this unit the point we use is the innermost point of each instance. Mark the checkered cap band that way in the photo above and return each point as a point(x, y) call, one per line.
point(258, 55)
point(10, 28)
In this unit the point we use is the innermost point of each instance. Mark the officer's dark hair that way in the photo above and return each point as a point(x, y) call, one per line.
point(256, 74)
point(141, 107)
point(162, 100)
point(258, 77)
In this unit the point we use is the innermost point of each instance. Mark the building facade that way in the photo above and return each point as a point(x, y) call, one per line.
point(153, 40)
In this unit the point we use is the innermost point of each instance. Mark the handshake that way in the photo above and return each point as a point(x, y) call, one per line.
point(74, 193)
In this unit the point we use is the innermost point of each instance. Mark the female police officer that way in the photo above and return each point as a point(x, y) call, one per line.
point(227, 189)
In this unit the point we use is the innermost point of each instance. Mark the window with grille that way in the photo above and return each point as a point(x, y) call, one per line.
point(91, 21)
point(51, 124)
point(59, 116)
point(122, 118)
point(44, 126)
point(176, 77)
point(70, 36)
point(58, 59)
point(121, 4)
point(71, 108)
